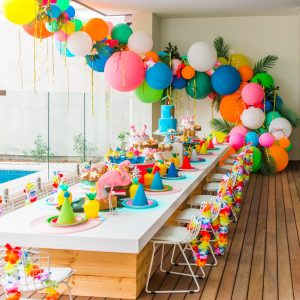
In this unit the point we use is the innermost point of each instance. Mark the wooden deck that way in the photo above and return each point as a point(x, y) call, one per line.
point(262, 260)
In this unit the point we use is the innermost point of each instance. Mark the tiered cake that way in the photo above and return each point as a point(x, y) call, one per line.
point(167, 122)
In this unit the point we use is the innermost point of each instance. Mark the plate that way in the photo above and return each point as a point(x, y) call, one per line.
point(127, 202)
point(79, 219)
point(86, 184)
point(197, 161)
point(189, 170)
point(180, 177)
point(208, 153)
point(216, 148)
point(51, 200)
point(166, 189)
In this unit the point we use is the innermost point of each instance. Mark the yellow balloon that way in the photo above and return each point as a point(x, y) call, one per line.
point(223, 60)
point(20, 11)
point(68, 28)
point(238, 60)
point(219, 135)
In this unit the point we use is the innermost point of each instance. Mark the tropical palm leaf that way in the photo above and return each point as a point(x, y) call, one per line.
point(290, 114)
point(268, 164)
point(216, 102)
point(221, 125)
point(221, 47)
point(265, 64)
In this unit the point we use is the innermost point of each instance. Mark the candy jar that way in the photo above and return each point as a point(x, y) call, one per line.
point(148, 177)
point(61, 194)
point(91, 206)
point(133, 188)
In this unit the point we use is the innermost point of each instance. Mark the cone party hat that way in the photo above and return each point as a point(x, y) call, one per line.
point(186, 163)
point(203, 149)
point(157, 183)
point(194, 155)
point(66, 215)
point(140, 198)
point(172, 172)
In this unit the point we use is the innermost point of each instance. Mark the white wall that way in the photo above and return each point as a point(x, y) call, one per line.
point(253, 36)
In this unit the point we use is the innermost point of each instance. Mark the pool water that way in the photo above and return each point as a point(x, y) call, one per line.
point(7, 175)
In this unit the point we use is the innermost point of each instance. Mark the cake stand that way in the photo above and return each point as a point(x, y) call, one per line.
point(167, 135)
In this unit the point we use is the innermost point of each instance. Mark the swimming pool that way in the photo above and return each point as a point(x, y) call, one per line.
point(8, 175)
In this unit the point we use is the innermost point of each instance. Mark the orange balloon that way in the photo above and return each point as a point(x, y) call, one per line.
point(188, 72)
point(226, 155)
point(231, 107)
point(246, 72)
point(280, 156)
point(152, 55)
point(97, 29)
point(284, 142)
point(37, 29)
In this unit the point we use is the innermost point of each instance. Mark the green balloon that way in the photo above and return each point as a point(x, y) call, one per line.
point(52, 26)
point(264, 79)
point(147, 94)
point(77, 23)
point(199, 87)
point(289, 148)
point(256, 159)
point(121, 32)
point(270, 116)
point(63, 4)
point(262, 130)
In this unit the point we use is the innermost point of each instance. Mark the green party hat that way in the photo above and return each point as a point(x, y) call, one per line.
point(66, 215)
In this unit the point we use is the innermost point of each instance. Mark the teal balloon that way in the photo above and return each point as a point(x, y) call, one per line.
point(52, 26)
point(63, 4)
point(199, 87)
point(147, 94)
point(270, 116)
point(262, 130)
point(264, 79)
point(77, 23)
point(252, 137)
point(121, 33)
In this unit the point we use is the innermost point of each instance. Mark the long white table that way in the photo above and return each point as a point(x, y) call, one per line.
point(120, 237)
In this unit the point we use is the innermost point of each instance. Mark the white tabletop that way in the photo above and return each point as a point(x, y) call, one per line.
point(126, 232)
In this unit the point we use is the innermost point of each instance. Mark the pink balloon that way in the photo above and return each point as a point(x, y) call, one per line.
point(60, 36)
point(266, 139)
point(252, 93)
point(175, 64)
point(110, 26)
point(239, 129)
point(236, 140)
point(124, 71)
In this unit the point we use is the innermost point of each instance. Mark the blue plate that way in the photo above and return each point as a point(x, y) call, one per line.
point(180, 177)
point(127, 202)
point(198, 161)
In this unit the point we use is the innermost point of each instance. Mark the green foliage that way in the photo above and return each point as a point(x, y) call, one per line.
point(221, 47)
point(81, 146)
point(265, 64)
point(268, 164)
point(172, 51)
point(221, 125)
point(216, 102)
point(123, 135)
point(40, 152)
point(290, 114)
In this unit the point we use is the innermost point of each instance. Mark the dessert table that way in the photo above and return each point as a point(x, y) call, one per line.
point(112, 259)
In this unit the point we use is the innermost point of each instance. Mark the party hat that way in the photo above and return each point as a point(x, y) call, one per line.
point(172, 172)
point(194, 155)
point(140, 198)
point(210, 144)
point(203, 149)
point(66, 215)
point(186, 163)
point(157, 182)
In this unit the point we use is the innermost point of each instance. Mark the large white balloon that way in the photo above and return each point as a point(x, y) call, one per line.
point(140, 42)
point(253, 118)
point(80, 43)
point(280, 127)
point(202, 56)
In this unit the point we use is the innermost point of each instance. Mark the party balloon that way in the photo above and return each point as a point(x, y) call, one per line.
point(63, 49)
point(240, 130)
point(121, 33)
point(226, 80)
point(54, 11)
point(253, 117)
point(147, 94)
point(159, 76)
point(199, 87)
point(262, 130)
point(280, 127)
point(264, 79)
point(236, 140)
point(97, 62)
point(266, 140)
point(68, 28)
point(20, 11)
point(110, 25)
point(179, 83)
point(223, 60)
point(246, 73)
point(270, 116)
point(188, 72)
point(231, 108)
point(257, 159)
point(97, 29)
point(37, 29)
point(284, 142)
point(280, 157)
point(289, 148)
point(252, 137)
point(151, 55)
point(253, 93)
point(77, 23)
point(268, 106)
point(52, 26)
point(63, 4)
point(140, 42)
point(70, 11)
point(175, 63)
point(124, 71)
point(202, 56)
point(80, 43)
point(238, 60)
point(278, 102)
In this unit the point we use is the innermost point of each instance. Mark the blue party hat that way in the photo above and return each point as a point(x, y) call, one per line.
point(140, 198)
point(157, 182)
point(172, 172)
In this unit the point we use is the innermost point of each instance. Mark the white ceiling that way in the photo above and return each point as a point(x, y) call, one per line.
point(197, 8)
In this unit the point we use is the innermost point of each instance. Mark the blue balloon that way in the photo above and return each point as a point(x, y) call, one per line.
point(54, 11)
point(70, 11)
point(63, 50)
point(179, 83)
point(252, 137)
point(268, 106)
point(98, 63)
point(226, 80)
point(159, 76)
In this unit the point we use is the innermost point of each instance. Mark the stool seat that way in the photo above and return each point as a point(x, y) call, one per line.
point(186, 215)
point(211, 186)
point(217, 177)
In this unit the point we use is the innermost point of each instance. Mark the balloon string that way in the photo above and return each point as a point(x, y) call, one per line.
point(20, 58)
point(34, 64)
point(68, 79)
point(52, 46)
point(92, 82)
